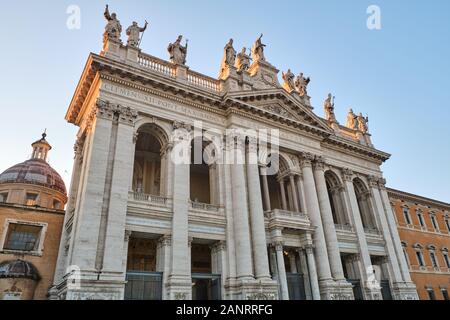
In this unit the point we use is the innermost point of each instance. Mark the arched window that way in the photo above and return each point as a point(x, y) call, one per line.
point(335, 194)
point(419, 254)
point(446, 257)
point(365, 209)
point(433, 258)
point(148, 169)
point(282, 188)
point(420, 218)
point(203, 172)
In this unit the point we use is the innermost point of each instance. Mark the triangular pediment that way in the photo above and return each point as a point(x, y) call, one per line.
point(279, 102)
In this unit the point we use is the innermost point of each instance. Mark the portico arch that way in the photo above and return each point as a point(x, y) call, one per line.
point(281, 190)
point(149, 169)
point(365, 209)
point(204, 178)
point(336, 196)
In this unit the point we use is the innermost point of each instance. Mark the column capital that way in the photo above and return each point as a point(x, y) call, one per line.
point(78, 148)
point(278, 245)
point(280, 179)
point(319, 163)
point(306, 159)
point(219, 246)
point(165, 240)
point(373, 181)
point(382, 183)
point(176, 125)
point(106, 110)
point(347, 174)
point(127, 235)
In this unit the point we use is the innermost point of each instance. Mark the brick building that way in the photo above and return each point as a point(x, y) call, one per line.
point(424, 228)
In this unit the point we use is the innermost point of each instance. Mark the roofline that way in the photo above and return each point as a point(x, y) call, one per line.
point(418, 199)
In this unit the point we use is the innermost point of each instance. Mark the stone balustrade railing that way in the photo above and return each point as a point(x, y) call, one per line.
point(157, 65)
point(372, 231)
point(286, 213)
point(202, 81)
point(137, 196)
point(166, 68)
point(343, 227)
point(204, 206)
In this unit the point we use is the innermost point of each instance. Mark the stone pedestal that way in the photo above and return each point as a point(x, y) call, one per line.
point(335, 290)
point(404, 291)
point(112, 49)
point(264, 75)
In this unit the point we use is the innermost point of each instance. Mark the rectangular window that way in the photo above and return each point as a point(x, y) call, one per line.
point(447, 259)
point(433, 259)
point(22, 237)
point(3, 197)
point(434, 222)
point(406, 215)
point(431, 294)
point(31, 199)
point(445, 294)
point(447, 224)
point(406, 256)
point(420, 217)
point(420, 258)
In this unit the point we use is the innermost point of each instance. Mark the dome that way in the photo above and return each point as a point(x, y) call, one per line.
point(18, 269)
point(34, 171)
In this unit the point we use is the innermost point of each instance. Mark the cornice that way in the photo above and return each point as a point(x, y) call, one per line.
point(346, 144)
point(33, 208)
point(402, 195)
point(170, 88)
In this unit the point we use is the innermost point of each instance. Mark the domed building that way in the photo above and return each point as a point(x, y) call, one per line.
point(32, 200)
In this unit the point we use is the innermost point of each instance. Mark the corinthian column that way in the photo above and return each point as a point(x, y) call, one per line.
point(257, 214)
point(366, 268)
point(240, 211)
point(180, 270)
point(294, 192)
point(283, 194)
point(313, 210)
point(328, 222)
point(395, 254)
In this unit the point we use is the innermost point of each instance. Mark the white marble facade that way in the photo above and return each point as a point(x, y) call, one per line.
point(324, 214)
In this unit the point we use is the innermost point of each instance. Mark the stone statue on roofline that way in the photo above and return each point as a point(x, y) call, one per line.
point(242, 60)
point(177, 51)
point(362, 123)
point(301, 84)
point(289, 83)
point(133, 33)
point(113, 28)
point(328, 106)
point(229, 57)
point(258, 50)
point(352, 122)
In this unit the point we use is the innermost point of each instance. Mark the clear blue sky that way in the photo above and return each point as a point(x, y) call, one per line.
point(398, 75)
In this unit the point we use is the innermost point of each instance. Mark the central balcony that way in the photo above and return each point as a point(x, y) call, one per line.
point(287, 219)
point(138, 201)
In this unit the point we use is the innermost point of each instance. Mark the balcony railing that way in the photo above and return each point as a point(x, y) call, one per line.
point(344, 227)
point(372, 231)
point(205, 82)
point(204, 206)
point(138, 196)
point(157, 65)
point(285, 213)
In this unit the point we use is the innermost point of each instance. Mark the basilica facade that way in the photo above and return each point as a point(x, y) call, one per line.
point(158, 209)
